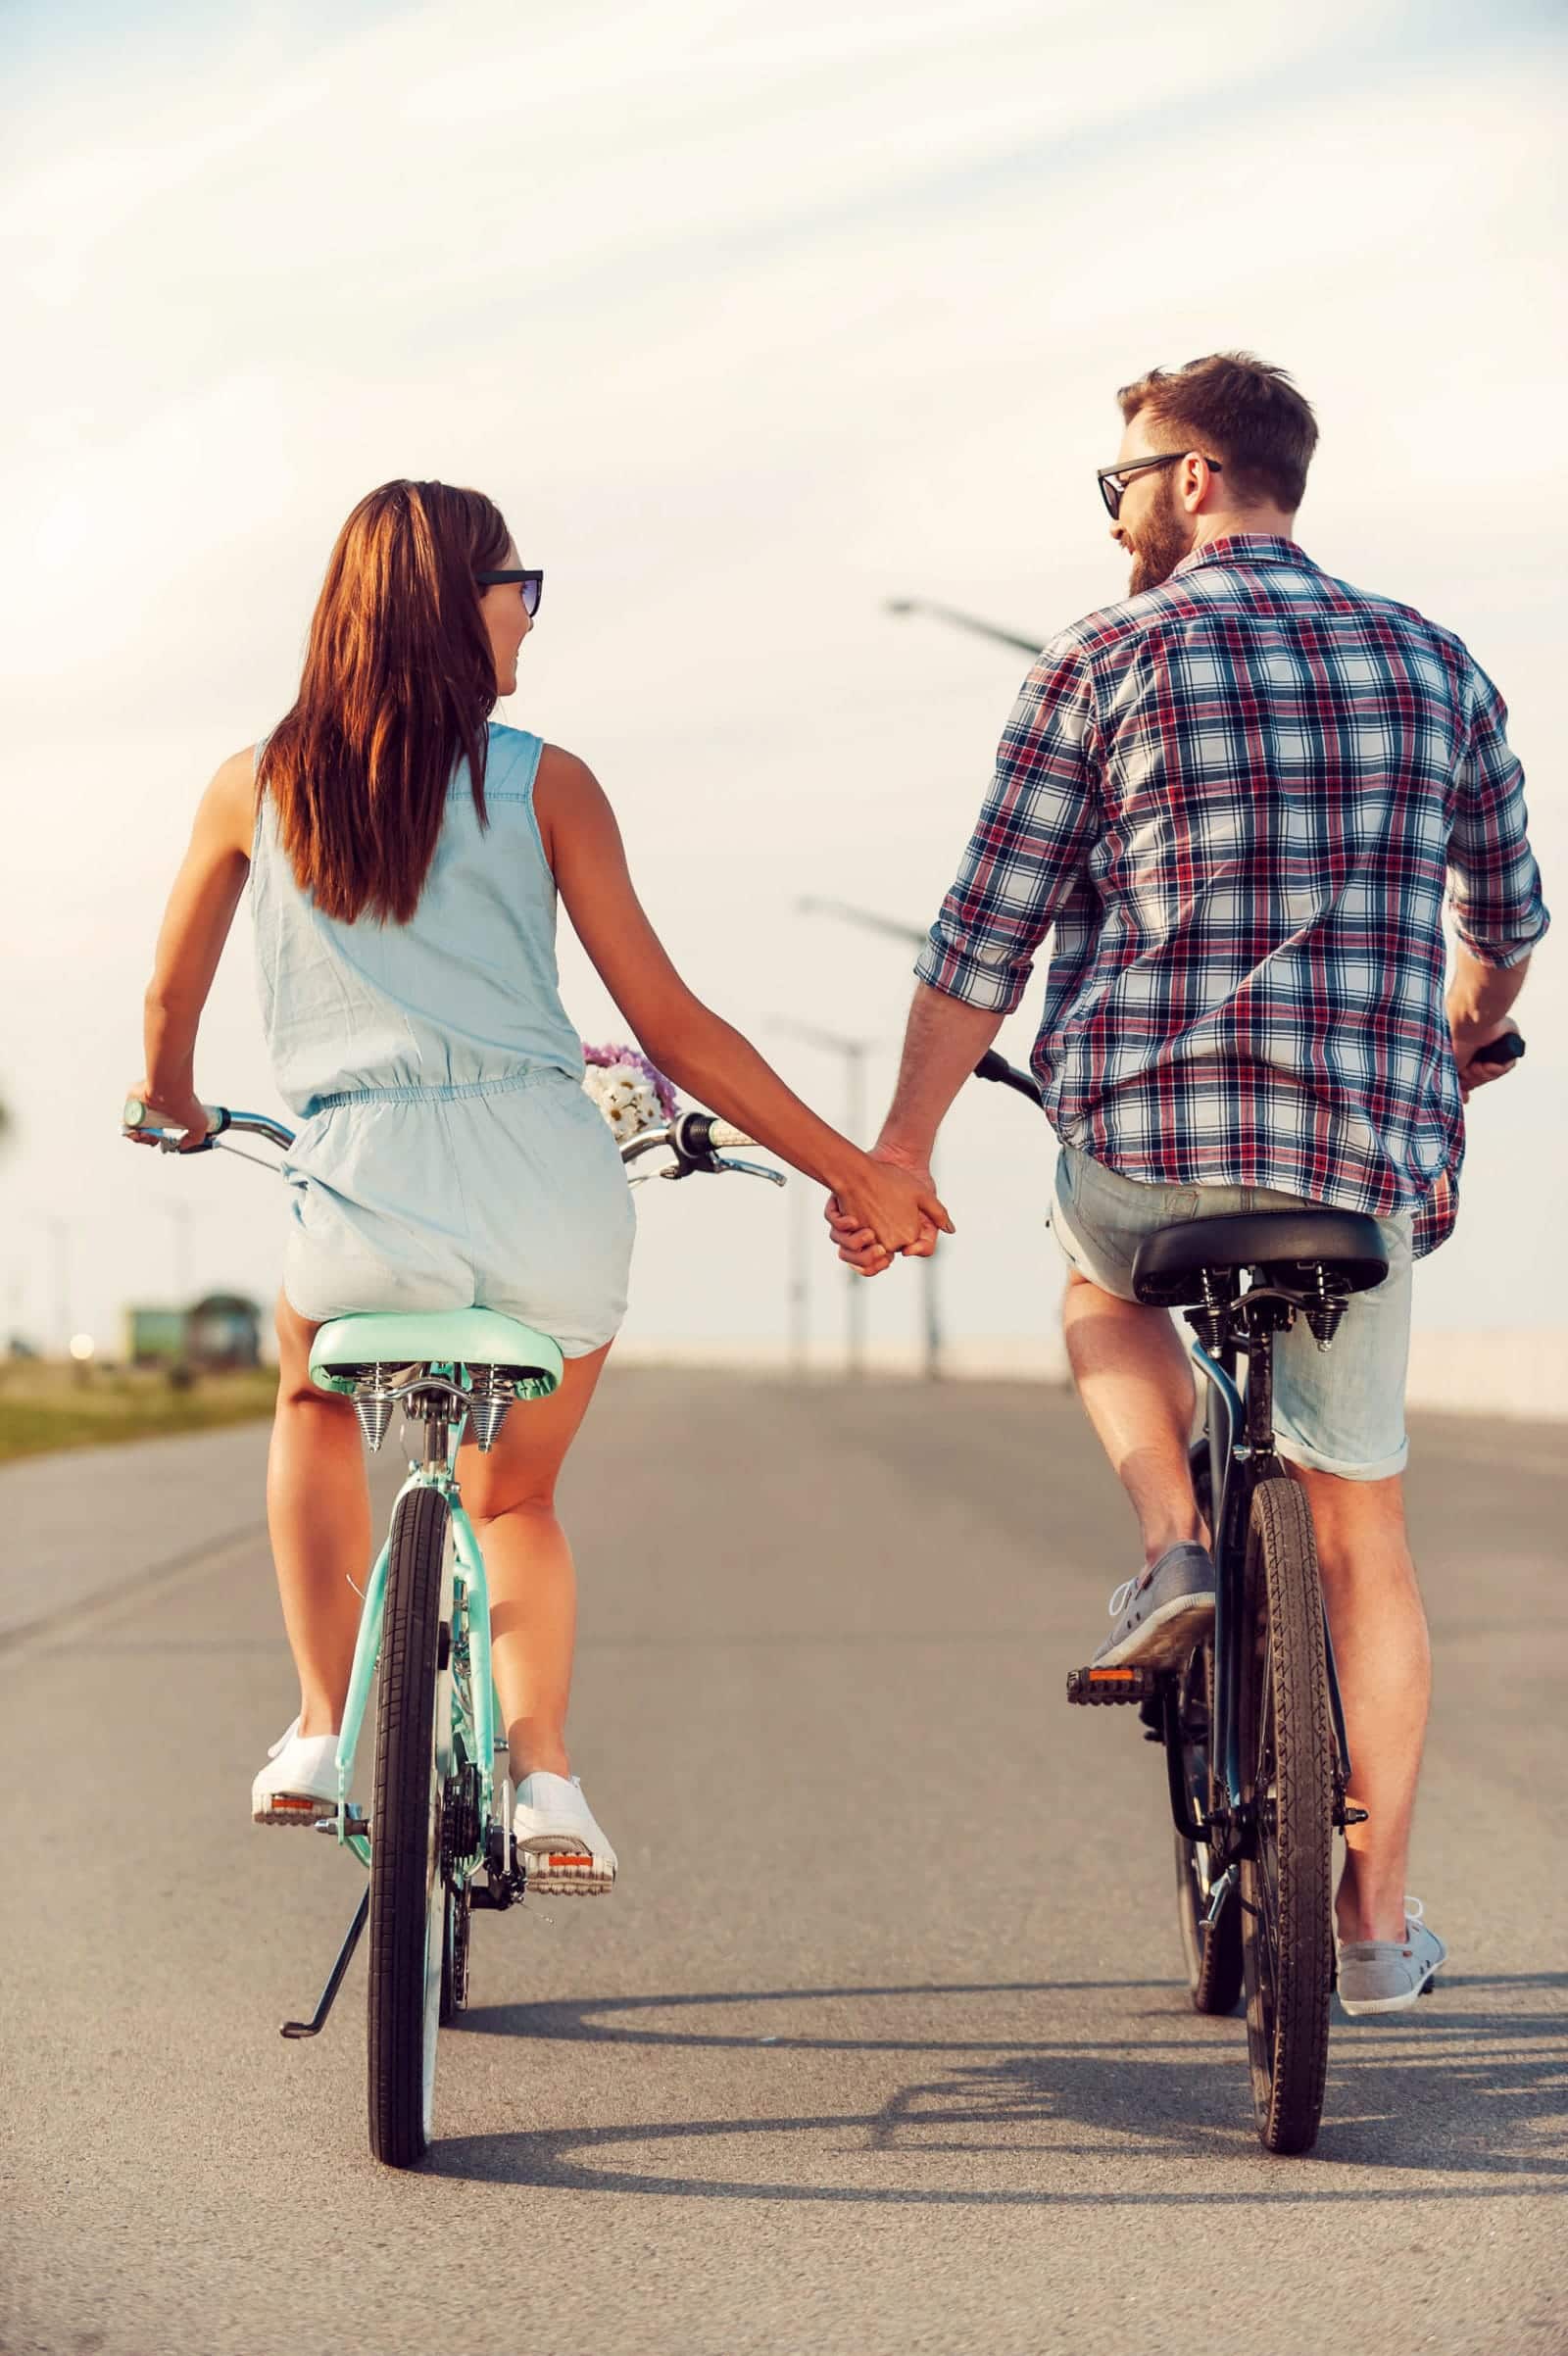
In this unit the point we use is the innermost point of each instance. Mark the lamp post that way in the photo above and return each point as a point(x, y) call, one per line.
point(895, 928)
point(182, 1217)
point(854, 1051)
point(61, 1232)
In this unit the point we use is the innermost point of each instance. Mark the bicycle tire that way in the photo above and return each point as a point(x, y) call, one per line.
point(407, 1899)
point(1288, 1773)
point(1213, 1951)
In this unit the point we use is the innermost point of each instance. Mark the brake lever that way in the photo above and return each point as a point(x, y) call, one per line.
point(750, 1169)
point(687, 1168)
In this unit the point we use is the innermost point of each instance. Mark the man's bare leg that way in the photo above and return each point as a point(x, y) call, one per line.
point(1136, 1384)
point(1385, 1671)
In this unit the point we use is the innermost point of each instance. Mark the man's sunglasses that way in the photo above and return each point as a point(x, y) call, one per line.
point(533, 585)
point(1112, 481)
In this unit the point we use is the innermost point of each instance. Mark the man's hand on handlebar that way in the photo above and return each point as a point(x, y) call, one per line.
point(1483, 1052)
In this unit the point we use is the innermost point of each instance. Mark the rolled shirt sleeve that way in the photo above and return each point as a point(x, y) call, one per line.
point(1495, 884)
point(1030, 844)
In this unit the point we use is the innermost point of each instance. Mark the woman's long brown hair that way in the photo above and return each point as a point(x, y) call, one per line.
point(398, 684)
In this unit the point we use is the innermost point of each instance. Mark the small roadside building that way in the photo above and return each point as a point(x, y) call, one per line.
point(221, 1332)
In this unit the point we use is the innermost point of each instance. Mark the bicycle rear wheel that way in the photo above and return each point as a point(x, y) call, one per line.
point(1213, 1951)
point(408, 1897)
point(1288, 1777)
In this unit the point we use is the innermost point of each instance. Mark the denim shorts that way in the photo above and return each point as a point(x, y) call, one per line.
point(507, 1195)
point(1339, 1410)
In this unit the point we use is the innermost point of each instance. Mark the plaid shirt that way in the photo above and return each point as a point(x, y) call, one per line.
point(1238, 799)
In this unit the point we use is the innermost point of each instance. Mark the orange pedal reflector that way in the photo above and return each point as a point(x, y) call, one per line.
point(1124, 1676)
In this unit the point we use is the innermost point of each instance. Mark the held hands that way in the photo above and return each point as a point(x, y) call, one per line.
point(892, 1208)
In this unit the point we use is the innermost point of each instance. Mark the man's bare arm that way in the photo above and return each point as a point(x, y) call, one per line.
point(943, 1042)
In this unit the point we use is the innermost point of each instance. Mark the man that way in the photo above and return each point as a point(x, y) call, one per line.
point(1237, 797)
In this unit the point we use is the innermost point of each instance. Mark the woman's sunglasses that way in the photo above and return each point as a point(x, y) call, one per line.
point(1112, 481)
point(533, 585)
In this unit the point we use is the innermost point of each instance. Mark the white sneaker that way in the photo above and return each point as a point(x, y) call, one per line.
point(1388, 1975)
point(299, 1783)
point(560, 1847)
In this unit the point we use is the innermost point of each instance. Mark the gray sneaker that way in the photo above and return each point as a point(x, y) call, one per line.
point(1162, 1615)
point(1387, 1974)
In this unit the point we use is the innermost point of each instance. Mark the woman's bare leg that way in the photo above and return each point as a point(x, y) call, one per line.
point(510, 1497)
point(319, 1515)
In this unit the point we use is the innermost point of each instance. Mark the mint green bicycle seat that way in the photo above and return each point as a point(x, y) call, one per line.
point(434, 1336)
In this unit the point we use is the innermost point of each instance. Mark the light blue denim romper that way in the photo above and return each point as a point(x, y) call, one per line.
point(449, 1157)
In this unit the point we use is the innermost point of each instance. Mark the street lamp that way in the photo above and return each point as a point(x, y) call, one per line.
point(182, 1218)
point(61, 1233)
point(964, 621)
point(897, 929)
point(853, 1053)
point(894, 927)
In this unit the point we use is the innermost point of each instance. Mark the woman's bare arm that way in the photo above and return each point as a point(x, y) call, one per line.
point(702, 1052)
point(190, 942)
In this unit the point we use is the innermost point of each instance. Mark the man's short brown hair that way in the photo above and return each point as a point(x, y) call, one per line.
point(1235, 408)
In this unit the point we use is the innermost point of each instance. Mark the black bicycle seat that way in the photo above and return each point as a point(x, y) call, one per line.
point(1346, 1243)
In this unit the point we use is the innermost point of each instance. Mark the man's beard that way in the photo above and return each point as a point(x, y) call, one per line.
point(1159, 545)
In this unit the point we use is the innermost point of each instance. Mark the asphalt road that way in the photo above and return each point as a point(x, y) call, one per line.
point(882, 2044)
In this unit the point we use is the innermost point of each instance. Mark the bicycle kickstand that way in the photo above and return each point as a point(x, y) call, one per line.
point(334, 1979)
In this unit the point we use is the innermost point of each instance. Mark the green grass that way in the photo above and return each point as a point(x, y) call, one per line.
point(45, 1407)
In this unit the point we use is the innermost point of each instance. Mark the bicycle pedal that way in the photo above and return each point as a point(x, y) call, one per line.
point(286, 1807)
point(566, 1874)
point(1097, 1688)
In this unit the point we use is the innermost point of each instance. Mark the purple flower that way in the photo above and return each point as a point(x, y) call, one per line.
point(663, 1089)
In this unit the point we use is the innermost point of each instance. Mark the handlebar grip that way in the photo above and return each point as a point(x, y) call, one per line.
point(1506, 1049)
point(134, 1114)
point(698, 1134)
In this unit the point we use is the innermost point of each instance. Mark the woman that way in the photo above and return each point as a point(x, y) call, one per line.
point(404, 855)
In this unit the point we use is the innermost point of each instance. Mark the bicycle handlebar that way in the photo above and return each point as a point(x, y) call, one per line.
point(698, 1139)
point(135, 1120)
point(992, 1067)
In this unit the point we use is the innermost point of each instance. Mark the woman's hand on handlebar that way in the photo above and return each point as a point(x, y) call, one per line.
point(891, 1208)
point(174, 1109)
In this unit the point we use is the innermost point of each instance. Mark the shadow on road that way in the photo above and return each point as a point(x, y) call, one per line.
point(1480, 2094)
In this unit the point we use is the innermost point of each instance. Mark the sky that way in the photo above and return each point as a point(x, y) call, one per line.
point(750, 319)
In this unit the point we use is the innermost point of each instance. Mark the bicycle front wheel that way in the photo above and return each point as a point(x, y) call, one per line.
point(408, 1896)
point(1288, 1778)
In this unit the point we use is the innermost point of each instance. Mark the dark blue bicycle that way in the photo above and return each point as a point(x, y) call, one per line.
point(1253, 1732)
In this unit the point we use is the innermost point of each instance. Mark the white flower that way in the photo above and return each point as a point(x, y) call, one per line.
point(625, 1098)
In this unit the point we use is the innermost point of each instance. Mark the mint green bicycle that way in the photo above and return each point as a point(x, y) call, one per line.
point(438, 1841)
